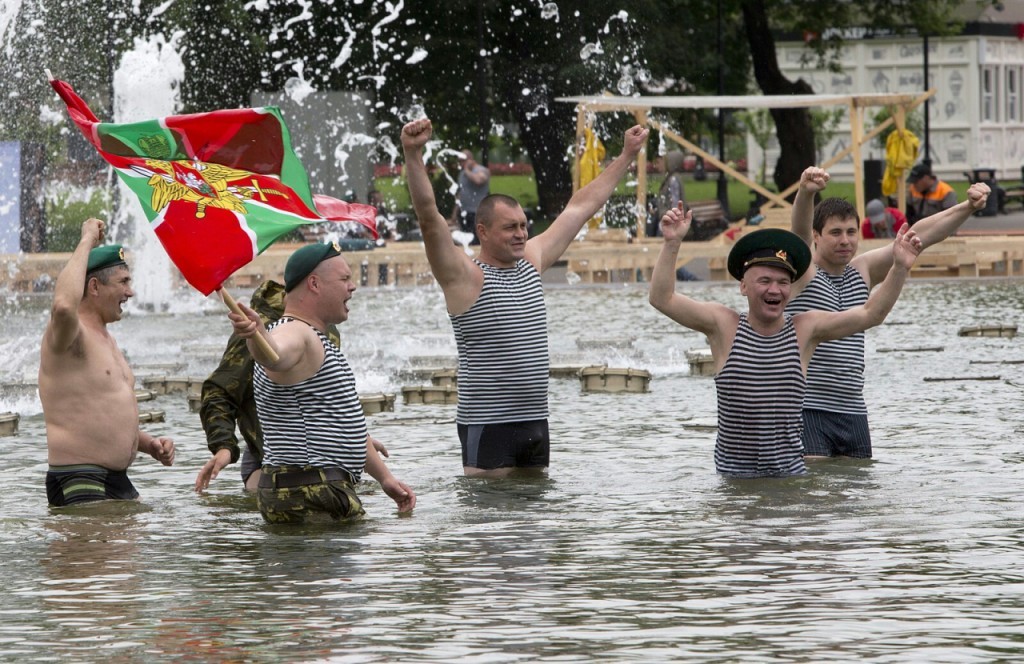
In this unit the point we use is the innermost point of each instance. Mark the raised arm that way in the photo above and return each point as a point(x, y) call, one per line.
point(714, 320)
point(874, 264)
point(451, 267)
point(812, 181)
point(62, 329)
point(549, 246)
point(826, 326)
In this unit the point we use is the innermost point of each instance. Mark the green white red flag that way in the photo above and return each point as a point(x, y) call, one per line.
point(218, 188)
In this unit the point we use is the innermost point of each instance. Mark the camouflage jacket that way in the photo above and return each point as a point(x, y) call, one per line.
point(227, 397)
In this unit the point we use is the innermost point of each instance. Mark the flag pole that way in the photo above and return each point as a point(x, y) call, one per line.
point(259, 339)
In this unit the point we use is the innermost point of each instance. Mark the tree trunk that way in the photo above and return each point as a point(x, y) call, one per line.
point(792, 125)
point(543, 127)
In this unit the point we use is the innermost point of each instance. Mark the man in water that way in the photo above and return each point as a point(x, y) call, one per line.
point(761, 356)
point(496, 305)
point(835, 415)
point(228, 400)
point(86, 387)
point(315, 441)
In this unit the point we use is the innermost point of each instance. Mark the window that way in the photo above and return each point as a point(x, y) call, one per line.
point(988, 94)
point(1013, 94)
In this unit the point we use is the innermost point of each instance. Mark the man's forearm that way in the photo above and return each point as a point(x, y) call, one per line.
point(941, 225)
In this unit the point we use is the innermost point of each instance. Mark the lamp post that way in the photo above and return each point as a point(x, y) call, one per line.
point(723, 184)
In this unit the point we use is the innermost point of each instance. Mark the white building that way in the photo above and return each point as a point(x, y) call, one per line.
point(976, 118)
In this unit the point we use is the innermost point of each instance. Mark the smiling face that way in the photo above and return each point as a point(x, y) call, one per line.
point(109, 290)
point(503, 235)
point(767, 290)
point(836, 243)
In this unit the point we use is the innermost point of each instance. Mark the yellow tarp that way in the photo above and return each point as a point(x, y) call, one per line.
point(590, 166)
point(900, 155)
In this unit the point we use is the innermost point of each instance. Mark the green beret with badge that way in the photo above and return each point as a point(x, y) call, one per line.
point(106, 256)
point(305, 260)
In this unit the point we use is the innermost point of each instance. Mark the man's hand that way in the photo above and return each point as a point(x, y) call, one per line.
point(400, 493)
point(634, 140)
point(93, 231)
point(379, 446)
point(246, 325)
point(212, 468)
point(977, 195)
point(814, 179)
point(676, 223)
point(415, 134)
point(906, 247)
point(162, 449)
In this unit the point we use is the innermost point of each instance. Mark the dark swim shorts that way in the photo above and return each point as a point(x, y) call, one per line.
point(505, 445)
point(294, 494)
point(84, 483)
point(828, 434)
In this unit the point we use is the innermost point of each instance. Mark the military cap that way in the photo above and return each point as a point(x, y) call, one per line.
point(771, 246)
point(305, 260)
point(108, 255)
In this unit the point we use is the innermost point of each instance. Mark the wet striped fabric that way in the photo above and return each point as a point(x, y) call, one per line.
point(760, 390)
point(318, 422)
point(503, 349)
point(835, 376)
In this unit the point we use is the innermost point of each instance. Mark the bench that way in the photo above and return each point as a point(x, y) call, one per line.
point(708, 220)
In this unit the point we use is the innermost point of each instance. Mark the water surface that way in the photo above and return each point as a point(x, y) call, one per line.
point(631, 549)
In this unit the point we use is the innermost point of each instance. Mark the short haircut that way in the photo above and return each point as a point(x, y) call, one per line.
point(103, 274)
point(485, 212)
point(833, 208)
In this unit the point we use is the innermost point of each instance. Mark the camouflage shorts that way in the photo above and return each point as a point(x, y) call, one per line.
point(331, 500)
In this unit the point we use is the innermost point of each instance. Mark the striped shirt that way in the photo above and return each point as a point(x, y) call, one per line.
point(835, 376)
point(503, 349)
point(759, 393)
point(317, 422)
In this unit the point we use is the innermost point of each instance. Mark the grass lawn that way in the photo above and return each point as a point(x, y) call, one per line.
point(523, 189)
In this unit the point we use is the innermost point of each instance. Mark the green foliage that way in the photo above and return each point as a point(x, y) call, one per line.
point(65, 213)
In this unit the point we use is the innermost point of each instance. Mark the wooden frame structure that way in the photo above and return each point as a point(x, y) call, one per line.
point(640, 107)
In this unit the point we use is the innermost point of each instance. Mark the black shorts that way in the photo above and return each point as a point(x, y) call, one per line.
point(505, 445)
point(85, 483)
point(829, 434)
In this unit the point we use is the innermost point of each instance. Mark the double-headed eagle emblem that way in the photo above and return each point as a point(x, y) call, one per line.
point(207, 185)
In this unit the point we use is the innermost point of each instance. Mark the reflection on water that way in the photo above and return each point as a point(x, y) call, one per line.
point(631, 549)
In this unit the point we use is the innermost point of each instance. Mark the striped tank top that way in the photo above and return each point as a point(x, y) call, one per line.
point(317, 422)
point(759, 393)
point(835, 376)
point(502, 342)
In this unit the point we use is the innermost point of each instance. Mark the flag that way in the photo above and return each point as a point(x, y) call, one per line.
point(218, 188)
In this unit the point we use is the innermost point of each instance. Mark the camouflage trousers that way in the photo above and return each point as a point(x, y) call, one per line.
point(325, 498)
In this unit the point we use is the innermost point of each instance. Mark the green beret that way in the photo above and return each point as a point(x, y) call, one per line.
point(305, 260)
point(771, 246)
point(106, 256)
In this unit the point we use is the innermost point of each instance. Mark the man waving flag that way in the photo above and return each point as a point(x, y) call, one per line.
point(218, 188)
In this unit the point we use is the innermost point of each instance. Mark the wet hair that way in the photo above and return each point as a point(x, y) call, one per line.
point(485, 212)
point(833, 208)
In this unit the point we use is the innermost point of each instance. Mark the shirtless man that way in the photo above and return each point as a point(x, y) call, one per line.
point(85, 385)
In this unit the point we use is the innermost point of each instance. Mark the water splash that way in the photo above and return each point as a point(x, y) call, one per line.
point(147, 85)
